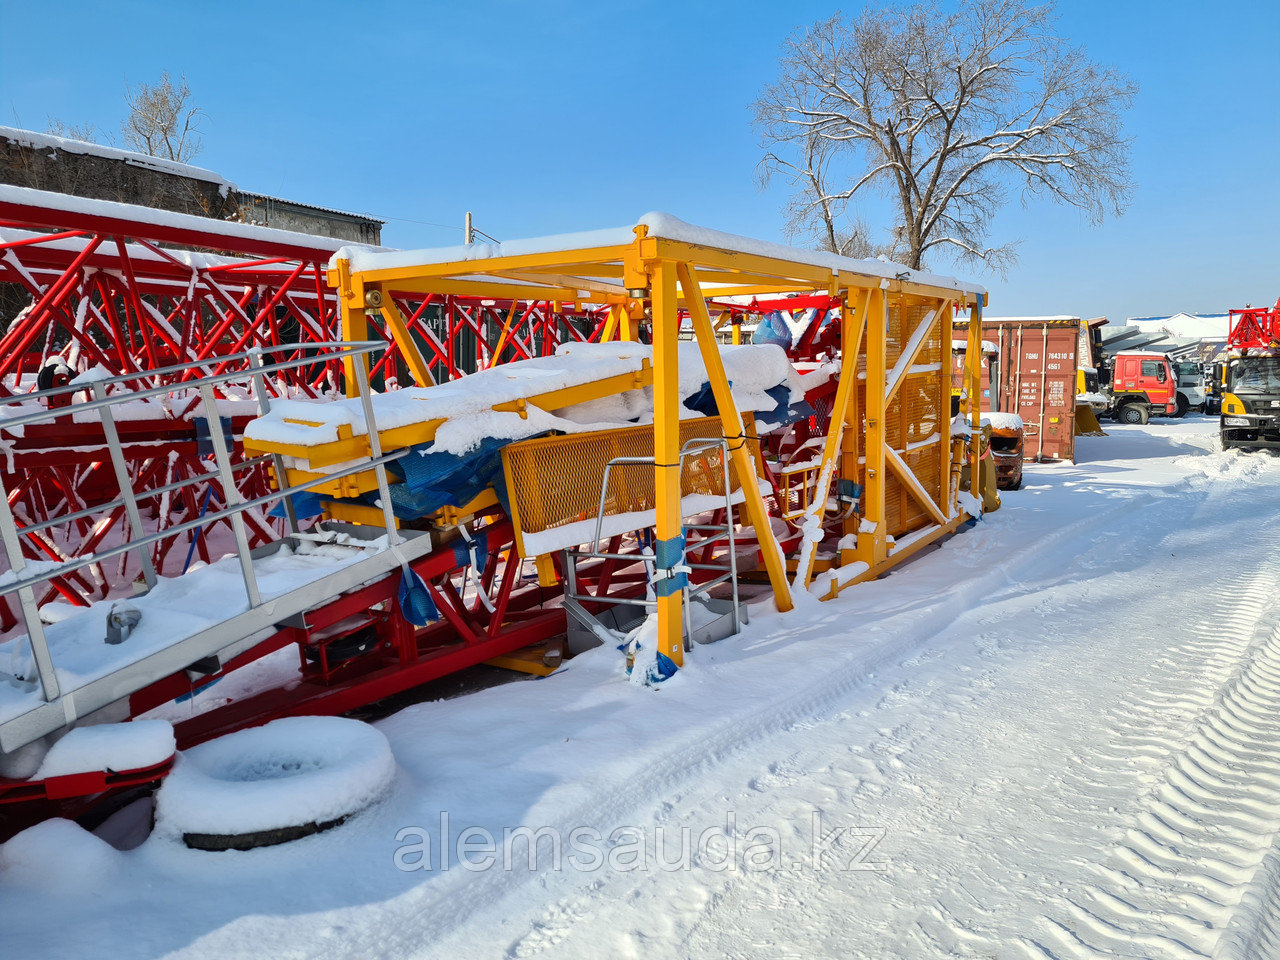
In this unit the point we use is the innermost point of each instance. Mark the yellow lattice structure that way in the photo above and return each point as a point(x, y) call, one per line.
point(891, 430)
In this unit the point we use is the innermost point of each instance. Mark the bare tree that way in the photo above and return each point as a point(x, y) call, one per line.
point(945, 113)
point(75, 131)
point(162, 122)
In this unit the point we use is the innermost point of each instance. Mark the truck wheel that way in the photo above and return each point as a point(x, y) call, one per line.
point(1183, 406)
point(1134, 413)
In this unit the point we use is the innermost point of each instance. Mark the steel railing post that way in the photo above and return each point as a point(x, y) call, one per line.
point(27, 601)
point(230, 494)
point(264, 407)
point(125, 481)
point(375, 451)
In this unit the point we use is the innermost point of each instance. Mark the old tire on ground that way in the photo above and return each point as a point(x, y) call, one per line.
point(267, 785)
point(1134, 413)
point(1183, 406)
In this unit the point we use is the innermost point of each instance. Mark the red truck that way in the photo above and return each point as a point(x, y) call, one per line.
point(1139, 383)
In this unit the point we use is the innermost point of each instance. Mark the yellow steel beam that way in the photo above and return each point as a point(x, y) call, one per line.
point(354, 323)
point(666, 445)
point(913, 484)
point(831, 450)
point(974, 409)
point(562, 260)
point(852, 338)
point(872, 545)
point(408, 346)
point(772, 270)
point(583, 392)
point(563, 281)
point(944, 419)
point(900, 554)
point(475, 285)
point(734, 434)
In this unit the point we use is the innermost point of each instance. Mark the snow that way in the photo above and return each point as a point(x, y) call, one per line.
point(109, 746)
point(1186, 325)
point(1003, 421)
point(466, 404)
point(57, 859)
point(289, 772)
point(175, 608)
point(658, 225)
point(1052, 318)
point(150, 216)
point(1055, 735)
point(987, 346)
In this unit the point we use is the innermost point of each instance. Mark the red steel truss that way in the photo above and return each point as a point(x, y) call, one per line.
point(120, 289)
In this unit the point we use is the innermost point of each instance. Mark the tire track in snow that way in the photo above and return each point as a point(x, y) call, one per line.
point(1206, 829)
point(793, 894)
point(438, 913)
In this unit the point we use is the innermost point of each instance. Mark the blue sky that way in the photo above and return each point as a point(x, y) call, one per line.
point(556, 116)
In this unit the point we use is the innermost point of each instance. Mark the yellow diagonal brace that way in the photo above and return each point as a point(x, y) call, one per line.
point(408, 346)
point(913, 484)
point(912, 350)
point(832, 447)
point(735, 436)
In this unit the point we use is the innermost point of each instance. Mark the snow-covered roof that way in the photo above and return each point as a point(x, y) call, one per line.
point(62, 202)
point(1139, 353)
point(47, 141)
point(1055, 318)
point(246, 195)
point(1194, 326)
point(662, 225)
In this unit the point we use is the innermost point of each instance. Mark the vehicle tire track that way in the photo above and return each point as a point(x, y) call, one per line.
point(1171, 885)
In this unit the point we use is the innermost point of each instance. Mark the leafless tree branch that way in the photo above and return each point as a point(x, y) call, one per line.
point(946, 112)
point(162, 122)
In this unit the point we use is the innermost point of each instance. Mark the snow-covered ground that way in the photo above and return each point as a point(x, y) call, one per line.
point(1055, 736)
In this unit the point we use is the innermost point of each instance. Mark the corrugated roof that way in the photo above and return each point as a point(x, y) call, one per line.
point(311, 206)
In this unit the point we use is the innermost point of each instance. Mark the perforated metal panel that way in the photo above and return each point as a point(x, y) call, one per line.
point(913, 421)
point(554, 481)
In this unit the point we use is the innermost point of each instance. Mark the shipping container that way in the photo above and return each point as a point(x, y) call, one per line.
point(1033, 369)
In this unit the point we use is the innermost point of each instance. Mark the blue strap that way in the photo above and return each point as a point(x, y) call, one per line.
point(667, 554)
point(666, 586)
point(462, 549)
point(670, 552)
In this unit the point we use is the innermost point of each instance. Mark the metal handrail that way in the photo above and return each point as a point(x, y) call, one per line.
point(352, 349)
point(690, 447)
point(234, 505)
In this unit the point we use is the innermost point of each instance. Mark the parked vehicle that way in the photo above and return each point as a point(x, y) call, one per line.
point(1138, 384)
point(1190, 383)
point(1006, 444)
point(1248, 382)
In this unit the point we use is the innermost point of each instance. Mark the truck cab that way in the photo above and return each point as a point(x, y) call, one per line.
point(1191, 394)
point(1250, 415)
point(1142, 383)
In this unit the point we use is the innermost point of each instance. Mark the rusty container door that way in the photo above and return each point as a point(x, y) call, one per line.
point(1037, 380)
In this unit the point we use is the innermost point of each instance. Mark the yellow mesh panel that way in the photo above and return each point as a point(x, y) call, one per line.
point(553, 481)
point(915, 416)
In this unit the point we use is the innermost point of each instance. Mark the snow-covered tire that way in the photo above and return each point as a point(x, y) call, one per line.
point(1134, 413)
point(267, 785)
